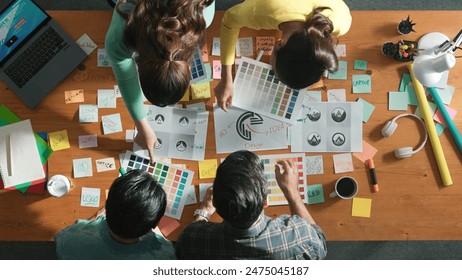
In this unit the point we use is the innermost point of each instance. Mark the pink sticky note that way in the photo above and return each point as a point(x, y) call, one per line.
point(368, 152)
point(216, 69)
point(167, 225)
point(439, 117)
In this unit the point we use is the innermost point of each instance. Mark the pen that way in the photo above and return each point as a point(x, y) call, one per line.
point(122, 171)
point(371, 165)
point(260, 54)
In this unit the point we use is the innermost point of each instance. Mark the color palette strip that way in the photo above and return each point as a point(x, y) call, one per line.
point(198, 72)
point(173, 179)
point(275, 194)
point(258, 90)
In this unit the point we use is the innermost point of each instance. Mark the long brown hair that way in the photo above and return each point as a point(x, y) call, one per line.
point(164, 34)
point(307, 54)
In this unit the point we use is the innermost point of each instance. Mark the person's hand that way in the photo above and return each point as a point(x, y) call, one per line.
point(207, 203)
point(145, 137)
point(224, 89)
point(287, 179)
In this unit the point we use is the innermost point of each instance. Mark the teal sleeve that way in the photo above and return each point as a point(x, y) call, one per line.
point(124, 68)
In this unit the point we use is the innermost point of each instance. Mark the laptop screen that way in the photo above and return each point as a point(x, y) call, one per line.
point(17, 22)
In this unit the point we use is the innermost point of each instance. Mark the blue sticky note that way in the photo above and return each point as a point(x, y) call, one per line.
point(313, 96)
point(439, 128)
point(341, 73)
point(315, 194)
point(368, 109)
point(412, 97)
point(397, 100)
point(111, 123)
point(106, 98)
point(432, 107)
point(360, 64)
point(362, 83)
point(82, 167)
point(405, 79)
point(88, 113)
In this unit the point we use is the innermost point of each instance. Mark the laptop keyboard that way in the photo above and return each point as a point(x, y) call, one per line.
point(35, 57)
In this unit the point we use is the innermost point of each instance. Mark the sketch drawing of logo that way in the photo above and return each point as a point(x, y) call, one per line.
point(243, 128)
point(159, 119)
point(314, 114)
point(181, 146)
point(314, 138)
point(338, 114)
point(338, 139)
point(184, 121)
point(158, 143)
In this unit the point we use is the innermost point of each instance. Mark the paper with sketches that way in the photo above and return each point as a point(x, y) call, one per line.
point(82, 167)
point(343, 163)
point(266, 44)
point(360, 64)
point(238, 129)
point(313, 96)
point(362, 83)
point(244, 46)
point(314, 165)
point(341, 73)
point(103, 59)
point(74, 96)
point(88, 113)
point(111, 123)
point(90, 197)
point(106, 98)
point(88, 141)
point(216, 46)
point(336, 95)
point(86, 44)
point(105, 164)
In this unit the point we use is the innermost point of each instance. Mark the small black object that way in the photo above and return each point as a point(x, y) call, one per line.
point(406, 26)
point(402, 51)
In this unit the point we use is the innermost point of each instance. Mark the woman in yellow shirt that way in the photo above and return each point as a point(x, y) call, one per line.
point(306, 47)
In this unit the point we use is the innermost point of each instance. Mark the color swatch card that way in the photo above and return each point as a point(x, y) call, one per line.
point(257, 89)
point(328, 127)
point(181, 133)
point(174, 180)
point(198, 72)
point(238, 129)
point(275, 194)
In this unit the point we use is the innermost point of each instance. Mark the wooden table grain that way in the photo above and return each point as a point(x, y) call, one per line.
point(412, 203)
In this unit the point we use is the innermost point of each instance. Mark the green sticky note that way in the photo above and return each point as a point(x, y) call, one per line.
point(405, 79)
point(433, 107)
point(412, 97)
point(362, 83)
point(397, 101)
point(315, 194)
point(341, 73)
point(368, 109)
point(360, 64)
point(439, 128)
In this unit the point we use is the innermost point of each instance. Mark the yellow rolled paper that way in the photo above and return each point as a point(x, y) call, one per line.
point(431, 130)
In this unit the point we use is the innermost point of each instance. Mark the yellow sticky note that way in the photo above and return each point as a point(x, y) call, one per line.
point(361, 207)
point(208, 168)
point(59, 140)
point(74, 96)
point(185, 96)
point(200, 91)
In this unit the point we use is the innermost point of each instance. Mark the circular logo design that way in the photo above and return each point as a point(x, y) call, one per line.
point(314, 138)
point(184, 121)
point(158, 144)
point(314, 114)
point(242, 127)
point(181, 146)
point(338, 114)
point(338, 139)
point(159, 119)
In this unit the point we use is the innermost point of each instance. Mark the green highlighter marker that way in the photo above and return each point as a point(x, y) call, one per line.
point(122, 171)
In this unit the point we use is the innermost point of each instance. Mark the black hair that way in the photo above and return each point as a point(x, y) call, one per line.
point(240, 189)
point(135, 204)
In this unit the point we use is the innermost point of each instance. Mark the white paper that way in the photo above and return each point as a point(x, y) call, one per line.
point(90, 197)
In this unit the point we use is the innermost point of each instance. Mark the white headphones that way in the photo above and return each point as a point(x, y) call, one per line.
point(390, 128)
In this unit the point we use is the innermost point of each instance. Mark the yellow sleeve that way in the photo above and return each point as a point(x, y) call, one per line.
point(339, 15)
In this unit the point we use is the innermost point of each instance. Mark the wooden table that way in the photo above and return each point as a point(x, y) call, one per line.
point(412, 203)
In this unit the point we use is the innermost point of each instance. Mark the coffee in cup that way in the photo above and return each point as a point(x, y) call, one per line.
point(345, 187)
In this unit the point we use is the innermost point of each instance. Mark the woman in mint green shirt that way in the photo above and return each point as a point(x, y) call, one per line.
point(150, 43)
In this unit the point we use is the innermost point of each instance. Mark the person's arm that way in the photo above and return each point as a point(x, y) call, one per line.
point(206, 206)
point(224, 89)
point(287, 179)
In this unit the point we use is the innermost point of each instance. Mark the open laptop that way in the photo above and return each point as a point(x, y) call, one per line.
point(36, 54)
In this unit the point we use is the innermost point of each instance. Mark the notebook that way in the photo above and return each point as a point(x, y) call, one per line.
point(36, 54)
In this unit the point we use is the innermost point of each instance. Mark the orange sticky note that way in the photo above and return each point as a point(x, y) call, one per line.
point(368, 152)
point(208, 168)
point(74, 96)
point(185, 96)
point(266, 44)
point(168, 225)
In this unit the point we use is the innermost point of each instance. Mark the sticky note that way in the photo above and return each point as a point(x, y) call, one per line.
point(199, 106)
point(313, 96)
point(361, 207)
point(397, 101)
point(360, 64)
point(130, 135)
point(106, 98)
point(341, 73)
point(205, 53)
point(336, 95)
point(362, 83)
point(103, 59)
point(368, 109)
point(216, 67)
point(340, 50)
point(88, 113)
point(185, 96)
point(200, 91)
point(86, 44)
point(167, 225)
point(105, 164)
point(439, 128)
point(88, 141)
point(117, 91)
point(446, 93)
point(244, 46)
point(314, 165)
point(74, 96)
point(190, 193)
point(315, 194)
point(432, 107)
point(411, 96)
point(368, 152)
point(343, 163)
point(265, 43)
point(82, 167)
point(203, 189)
point(111, 123)
point(439, 116)
point(59, 140)
point(90, 197)
point(208, 168)
point(216, 46)
point(405, 80)
point(208, 73)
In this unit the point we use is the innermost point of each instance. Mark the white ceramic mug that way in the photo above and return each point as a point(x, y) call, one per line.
point(59, 185)
point(345, 187)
